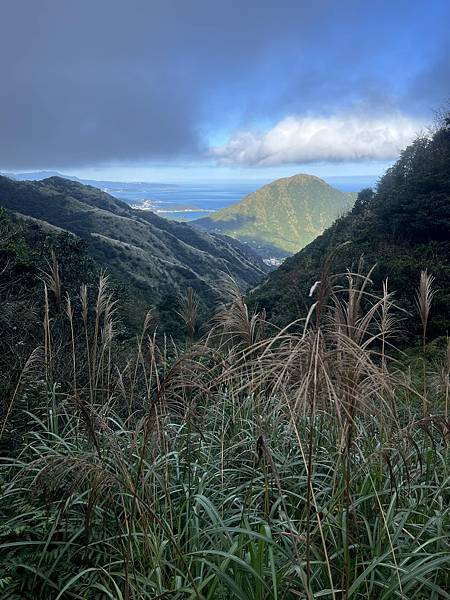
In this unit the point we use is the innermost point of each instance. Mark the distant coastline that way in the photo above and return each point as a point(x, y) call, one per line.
point(189, 201)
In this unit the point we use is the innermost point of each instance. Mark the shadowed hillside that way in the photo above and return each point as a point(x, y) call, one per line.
point(155, 258)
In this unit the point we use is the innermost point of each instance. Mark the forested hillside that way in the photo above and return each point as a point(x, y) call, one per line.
point(34, 254)
point(402, 228)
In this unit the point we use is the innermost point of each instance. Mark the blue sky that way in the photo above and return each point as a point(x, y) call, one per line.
point(207, 90)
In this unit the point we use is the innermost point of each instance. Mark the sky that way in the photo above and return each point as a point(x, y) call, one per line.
point(202, 90)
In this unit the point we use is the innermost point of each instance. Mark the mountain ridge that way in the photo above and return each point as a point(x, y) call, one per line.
point(157, 258)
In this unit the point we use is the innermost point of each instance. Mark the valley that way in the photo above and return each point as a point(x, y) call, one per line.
point(218, 424)
point(224, 300)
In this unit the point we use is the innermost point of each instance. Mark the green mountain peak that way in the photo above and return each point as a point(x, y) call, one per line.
point(283, 216)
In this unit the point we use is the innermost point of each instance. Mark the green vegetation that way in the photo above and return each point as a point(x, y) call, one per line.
point(403, 228)
point(282, 217)
point(27, 251)
point(253, 464)
point(252, 458)
point(153, 258)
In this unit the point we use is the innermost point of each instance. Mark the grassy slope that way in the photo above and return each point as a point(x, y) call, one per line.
point(249, 467)
point(156, 258)
point(286, 214)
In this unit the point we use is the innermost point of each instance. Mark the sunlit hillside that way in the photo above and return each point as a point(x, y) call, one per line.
point(283, 216)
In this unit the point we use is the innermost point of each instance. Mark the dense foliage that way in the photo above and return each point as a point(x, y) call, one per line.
point(27, 252)
point(404, 228)
point(253, 464)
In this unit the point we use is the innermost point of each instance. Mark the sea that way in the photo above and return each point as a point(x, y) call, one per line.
point(185, 202)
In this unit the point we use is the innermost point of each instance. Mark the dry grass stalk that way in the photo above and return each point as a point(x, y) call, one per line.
point(33, 363)
point(52, 278)
point(424, 298)
point(189, 311)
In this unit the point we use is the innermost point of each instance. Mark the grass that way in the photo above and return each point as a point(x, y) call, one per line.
point(253, 463)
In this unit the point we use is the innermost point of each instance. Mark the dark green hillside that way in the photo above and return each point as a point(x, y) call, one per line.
point(404, 227)
point(282, 217)
point(26, 249)
point(156, 259)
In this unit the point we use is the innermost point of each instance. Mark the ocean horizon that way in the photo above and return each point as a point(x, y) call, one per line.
point(195, 200)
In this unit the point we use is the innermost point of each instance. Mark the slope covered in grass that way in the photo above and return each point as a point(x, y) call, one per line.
point(283, 216)
point(154, 258)
point(254, 464)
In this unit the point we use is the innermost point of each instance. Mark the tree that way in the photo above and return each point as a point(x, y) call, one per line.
point(363, 199)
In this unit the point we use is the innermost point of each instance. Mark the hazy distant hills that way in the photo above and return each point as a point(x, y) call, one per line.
point(283, 216)
point(155, 258)
point(36, 175)
point(128, 186)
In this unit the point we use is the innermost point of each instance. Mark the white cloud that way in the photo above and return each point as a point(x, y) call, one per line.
point(311, 139)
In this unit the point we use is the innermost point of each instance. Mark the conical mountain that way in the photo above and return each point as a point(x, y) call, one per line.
point(282, 217)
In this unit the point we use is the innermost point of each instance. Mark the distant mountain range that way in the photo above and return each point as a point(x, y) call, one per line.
point(155, 259)
point(40, 175)
point(282, 217)
point(36, 175)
